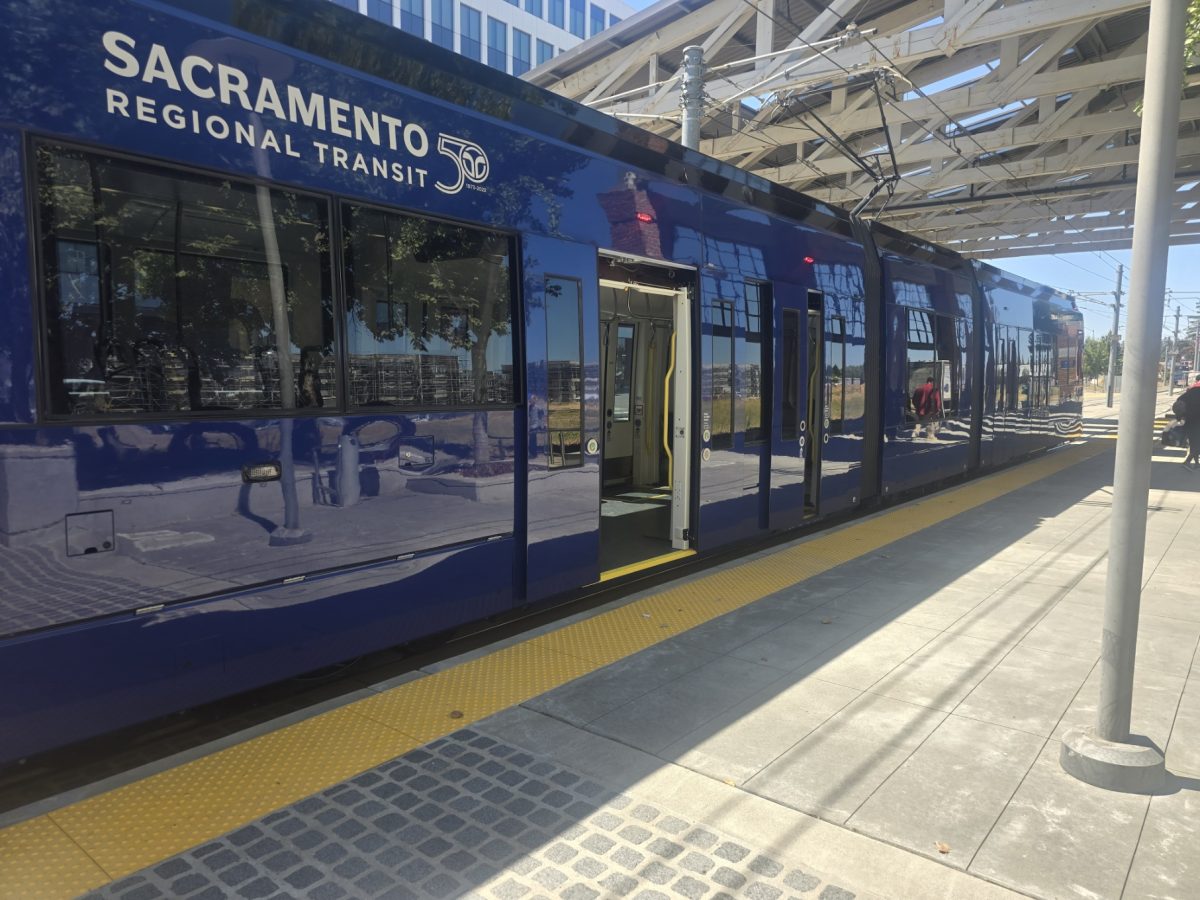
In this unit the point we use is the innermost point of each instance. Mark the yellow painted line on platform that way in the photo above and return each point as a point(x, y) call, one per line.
point(71, 850)
point(634, 568)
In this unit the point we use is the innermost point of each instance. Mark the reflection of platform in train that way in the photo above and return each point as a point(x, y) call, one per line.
point(802, 720)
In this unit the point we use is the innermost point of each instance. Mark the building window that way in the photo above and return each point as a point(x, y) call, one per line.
point(379, 10)
point(558, 13)
point(497, 56)
point(534, 8)
point(597, 22)
point(545, 52)
point(347, 4)
point(577, 18)
point(522, 61)
point(412, 17)
point(613, 20)
point(429, 312)
point(469, 20)
point(169, 292)
point(442, 30)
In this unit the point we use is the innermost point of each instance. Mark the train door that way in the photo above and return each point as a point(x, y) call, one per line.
point(562, 359)
point(788, 456)
point(645, 404)
point(817, 407)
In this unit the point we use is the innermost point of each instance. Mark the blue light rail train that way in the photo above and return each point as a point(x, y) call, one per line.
point(316, 339)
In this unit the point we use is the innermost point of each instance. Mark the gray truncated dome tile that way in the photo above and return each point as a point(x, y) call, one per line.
point(467, 816)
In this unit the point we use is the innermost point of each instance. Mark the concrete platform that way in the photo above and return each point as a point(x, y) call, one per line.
point(883, 726)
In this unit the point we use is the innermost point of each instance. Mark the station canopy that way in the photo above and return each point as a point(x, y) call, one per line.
point(994, 127)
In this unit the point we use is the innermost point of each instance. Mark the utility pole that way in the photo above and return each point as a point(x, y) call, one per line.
point(1174, 351)
point(1106, 756)
point(691, 95)
point(1113, 343)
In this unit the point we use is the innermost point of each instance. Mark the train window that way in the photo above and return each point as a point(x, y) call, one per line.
point(721, 426)
point(923, 364)
point(623, 372)
point(790, 376)
point(564, 371)
point(750, 355)
point(835, 374)
point(429, 312)
point(171, 292)
point(936, 347)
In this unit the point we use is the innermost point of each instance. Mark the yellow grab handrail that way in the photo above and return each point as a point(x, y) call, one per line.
point(667, 416)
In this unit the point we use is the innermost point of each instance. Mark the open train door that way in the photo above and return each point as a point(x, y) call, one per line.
point(647, 470)
point(562, 366)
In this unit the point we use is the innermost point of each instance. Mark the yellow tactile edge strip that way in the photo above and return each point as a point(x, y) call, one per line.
point(87, 844)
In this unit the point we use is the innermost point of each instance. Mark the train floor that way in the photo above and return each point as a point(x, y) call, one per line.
point(635, 525)
point(871, 711)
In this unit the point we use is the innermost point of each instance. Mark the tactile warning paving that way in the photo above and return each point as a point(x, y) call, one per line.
point(125, 829)
point(132, 827)
point(39, 862)
point(471, 816)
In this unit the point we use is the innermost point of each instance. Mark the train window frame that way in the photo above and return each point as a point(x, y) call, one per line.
point(559, 454)
point(48, 408)
point(343, 206)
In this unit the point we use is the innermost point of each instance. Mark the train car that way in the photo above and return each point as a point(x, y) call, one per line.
point(316, 339)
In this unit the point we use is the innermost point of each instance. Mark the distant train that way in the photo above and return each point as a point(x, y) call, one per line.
point(316, 339)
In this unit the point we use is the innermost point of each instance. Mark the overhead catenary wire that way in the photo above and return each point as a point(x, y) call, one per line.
point(795, 31)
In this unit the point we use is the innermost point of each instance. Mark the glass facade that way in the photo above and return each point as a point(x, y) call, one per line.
point(577, 18)
point(442, 24)
point(497, 56)
point(379, 10)
point(469, 21)
point(412, 17)
point(522, 58)
point(597, 20)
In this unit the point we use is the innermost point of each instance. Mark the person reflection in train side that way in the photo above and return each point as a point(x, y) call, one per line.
point(1187, 407)
point(927, 404)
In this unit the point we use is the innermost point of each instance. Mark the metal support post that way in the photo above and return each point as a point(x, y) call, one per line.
point(1116, 335)
point(691, 95)
point(1106, 756)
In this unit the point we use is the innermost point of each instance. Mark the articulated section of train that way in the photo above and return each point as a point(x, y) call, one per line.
point(266, 404)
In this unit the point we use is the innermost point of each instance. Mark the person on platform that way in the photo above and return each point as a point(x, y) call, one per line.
point(927, 404)
point(1187, 407)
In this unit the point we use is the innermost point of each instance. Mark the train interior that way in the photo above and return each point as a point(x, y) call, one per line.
point(644, 384)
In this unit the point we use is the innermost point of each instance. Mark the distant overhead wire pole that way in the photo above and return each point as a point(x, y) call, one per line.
point(691, 95)
point(1114, 343)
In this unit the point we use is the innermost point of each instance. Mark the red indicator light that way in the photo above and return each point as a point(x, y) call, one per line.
point(808, 260)
point(645, 217)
